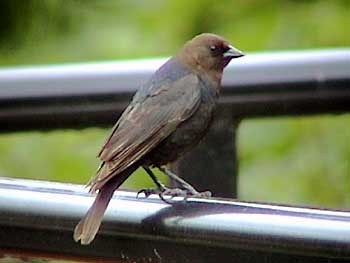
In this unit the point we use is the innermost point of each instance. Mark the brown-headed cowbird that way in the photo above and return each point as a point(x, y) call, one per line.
point(167, 117)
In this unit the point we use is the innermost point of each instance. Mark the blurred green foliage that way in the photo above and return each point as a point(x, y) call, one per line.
point(302, 160)
point(296, 160)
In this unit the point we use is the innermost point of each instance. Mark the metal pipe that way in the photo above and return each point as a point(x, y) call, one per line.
point(37, 218)
point(126, 76)
point(80, 95)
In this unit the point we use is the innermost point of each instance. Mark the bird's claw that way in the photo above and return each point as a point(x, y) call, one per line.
point(205, 194)
point(186, 193)
point(177, 192)
point(173, 192)
point(147, 192)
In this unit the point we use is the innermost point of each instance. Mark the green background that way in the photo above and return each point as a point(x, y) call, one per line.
point(300, 160)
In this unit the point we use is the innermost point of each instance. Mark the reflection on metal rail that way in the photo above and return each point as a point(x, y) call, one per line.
point(37, 219)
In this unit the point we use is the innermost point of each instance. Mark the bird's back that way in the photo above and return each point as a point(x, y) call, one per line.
point(169, 98)
point(170, 72)
point(189, 132)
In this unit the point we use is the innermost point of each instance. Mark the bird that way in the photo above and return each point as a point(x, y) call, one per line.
point(167, 117)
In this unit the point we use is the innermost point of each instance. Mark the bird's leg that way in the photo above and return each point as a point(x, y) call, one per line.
point(161, 188)
point(154, 178)
point(185, 185)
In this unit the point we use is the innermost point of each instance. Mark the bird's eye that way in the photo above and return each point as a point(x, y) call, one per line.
point(213, 48)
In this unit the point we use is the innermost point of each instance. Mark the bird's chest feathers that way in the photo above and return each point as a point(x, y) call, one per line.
point(197, 125)
point(188, 133)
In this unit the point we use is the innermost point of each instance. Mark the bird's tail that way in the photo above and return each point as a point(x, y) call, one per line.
point(88, 226)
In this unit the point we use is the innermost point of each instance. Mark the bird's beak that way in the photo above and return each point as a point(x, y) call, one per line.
point(233, 53)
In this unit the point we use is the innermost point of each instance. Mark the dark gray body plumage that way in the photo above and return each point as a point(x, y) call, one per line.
point(167, 116)
point(189, 132)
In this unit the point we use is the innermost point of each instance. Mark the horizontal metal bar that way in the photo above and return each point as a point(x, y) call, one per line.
point(80, 95)
point(37, 218)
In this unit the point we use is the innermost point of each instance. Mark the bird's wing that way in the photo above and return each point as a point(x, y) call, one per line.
point(145, 124)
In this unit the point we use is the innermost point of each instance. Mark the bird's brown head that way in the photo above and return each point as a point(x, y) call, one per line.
point(208, 53)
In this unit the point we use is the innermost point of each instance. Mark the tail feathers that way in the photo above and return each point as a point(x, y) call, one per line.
point(87, 228)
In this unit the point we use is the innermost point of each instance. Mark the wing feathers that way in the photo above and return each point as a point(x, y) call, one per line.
point(145, 124)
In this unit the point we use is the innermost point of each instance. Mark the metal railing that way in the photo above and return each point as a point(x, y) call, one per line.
point(82, 95)
point(38, 218)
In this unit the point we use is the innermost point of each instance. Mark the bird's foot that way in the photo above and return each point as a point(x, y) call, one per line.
point(147, 192)
point(188, 188)
point(185, 193)
point(173, 192)
point(204, 194)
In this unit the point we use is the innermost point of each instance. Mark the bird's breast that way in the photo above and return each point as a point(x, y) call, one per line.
point(187, 135)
